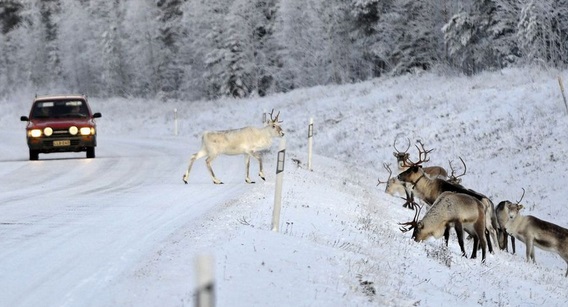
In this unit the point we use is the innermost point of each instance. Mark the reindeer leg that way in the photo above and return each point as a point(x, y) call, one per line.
point(502, 239)
point(259, 158)
point(195, 156)
point(447, 234)
point(475, 247)
point(247, 163)
point(208, 162)
point(459, 233)
point(530, 249)
point(512, 243)
point(479, 239)
point(483, 249)
point(488, 240)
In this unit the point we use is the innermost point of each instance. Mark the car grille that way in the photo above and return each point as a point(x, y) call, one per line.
point(61, 133)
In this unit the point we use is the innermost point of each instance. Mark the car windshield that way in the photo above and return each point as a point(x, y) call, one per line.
point(60, 109)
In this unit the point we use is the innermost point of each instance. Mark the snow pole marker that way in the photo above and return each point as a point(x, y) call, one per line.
point(205, 288)
point(310, 141)
point(278, 190)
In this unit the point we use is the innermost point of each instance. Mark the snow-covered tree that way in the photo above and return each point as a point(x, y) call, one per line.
point(364, 35)
point(10, 15)
point(209, 45)
point(312, 35)
point(80, 53)
point(483, 38)
point(138, 31)
point(113, 71)
point(543, 33)
point(169, 64)
point(501, 30)
point(238, 75)
point(408, 39)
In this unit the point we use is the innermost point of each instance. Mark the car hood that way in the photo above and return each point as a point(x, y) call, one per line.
point(56, 123)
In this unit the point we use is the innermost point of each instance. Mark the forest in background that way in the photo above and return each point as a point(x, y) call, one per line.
point(205, 49)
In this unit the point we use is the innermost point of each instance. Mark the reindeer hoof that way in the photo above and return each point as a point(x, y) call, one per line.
point(249, 181)
point(184, 180)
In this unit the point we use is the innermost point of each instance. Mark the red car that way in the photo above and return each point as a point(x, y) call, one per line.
point(61, 124)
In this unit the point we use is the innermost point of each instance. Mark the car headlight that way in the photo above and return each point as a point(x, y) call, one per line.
point(73, 130)
point(47, 131)
point(35, 133)
point(87, 131)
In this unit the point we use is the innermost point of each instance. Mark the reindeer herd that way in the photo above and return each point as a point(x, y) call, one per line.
point(451, 205)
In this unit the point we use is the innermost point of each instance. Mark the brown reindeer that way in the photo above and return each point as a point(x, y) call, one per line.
point(462, 211)
point(536, 232)
point(429, 189)
point(502, 214)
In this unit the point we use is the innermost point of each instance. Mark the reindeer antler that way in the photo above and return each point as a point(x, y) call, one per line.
point(456, 179)
point(414, 222)
point(422, 156)
point(521, 196)
point(387, 167)
point(409, 201)
point(274, 120)
point(401, 152)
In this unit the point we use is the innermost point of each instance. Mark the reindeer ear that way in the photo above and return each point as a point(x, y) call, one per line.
point(521, 207)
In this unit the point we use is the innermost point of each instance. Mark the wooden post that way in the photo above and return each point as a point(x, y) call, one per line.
point(205, 290)
point(278, 191)
point(310, 141)
point(562, 91)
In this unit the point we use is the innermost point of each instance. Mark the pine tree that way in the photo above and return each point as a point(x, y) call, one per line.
point(169, 68)
point(81, 56)
point(139, 37)
point(10, 15)
point(366, 36)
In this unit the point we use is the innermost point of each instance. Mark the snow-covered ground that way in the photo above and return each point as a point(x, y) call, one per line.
point(123, 230)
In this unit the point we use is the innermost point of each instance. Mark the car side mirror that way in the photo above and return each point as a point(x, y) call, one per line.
point(24, 119)
point(97, 115)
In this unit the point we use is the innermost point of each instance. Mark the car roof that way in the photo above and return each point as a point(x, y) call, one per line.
point(60, 97)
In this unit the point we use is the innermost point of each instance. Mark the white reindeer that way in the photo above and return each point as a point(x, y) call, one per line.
point(247, 141)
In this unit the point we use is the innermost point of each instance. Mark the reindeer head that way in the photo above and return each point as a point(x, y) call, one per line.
point(513, 209)
point(401, 156)
point(415, 171)
point(274, 124)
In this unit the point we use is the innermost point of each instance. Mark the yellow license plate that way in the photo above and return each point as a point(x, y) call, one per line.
point(62, 143)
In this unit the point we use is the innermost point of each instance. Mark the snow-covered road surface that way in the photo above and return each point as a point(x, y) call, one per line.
point(71, 227)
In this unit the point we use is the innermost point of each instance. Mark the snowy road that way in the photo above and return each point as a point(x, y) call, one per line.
point(72, 227)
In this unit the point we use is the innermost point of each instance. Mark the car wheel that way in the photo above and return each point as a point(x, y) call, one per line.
point(34, 155)
point(90, 152)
